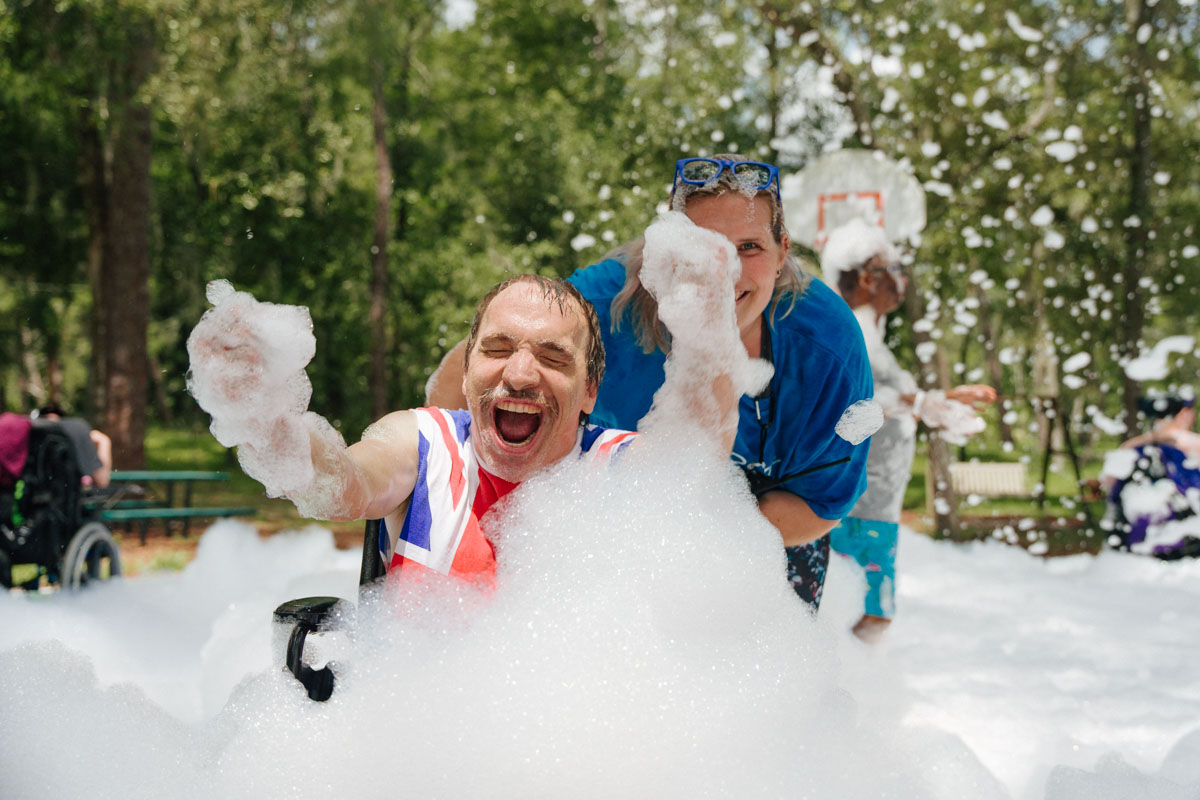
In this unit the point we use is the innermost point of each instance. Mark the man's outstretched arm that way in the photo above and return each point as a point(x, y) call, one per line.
point(367, 480)
point(247, 371)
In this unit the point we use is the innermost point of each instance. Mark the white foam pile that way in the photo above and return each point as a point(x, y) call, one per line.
point(642, 643)
point(638, 646)
point(615, 663)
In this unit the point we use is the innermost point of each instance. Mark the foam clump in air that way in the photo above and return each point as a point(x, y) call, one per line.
point(859, 421)
point(247, 361)
point(1119, 464)
point(1155, 364)
point(691, 272)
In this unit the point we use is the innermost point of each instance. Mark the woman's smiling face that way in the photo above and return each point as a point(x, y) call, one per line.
point(745, 221)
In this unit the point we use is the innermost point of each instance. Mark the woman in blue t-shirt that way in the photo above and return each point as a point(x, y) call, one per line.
point(805, 476)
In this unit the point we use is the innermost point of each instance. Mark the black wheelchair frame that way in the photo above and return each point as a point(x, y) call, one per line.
point(49, 521)
point(298, 618)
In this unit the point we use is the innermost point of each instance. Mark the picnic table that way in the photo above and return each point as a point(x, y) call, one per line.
point(124, 504)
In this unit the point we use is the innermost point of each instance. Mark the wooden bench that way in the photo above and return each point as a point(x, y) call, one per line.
point(990, 479)
point(129, 510)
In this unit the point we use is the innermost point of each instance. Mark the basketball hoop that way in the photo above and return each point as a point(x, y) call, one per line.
point(852, 184)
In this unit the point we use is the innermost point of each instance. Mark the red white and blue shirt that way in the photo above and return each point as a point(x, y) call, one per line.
point(440, 528)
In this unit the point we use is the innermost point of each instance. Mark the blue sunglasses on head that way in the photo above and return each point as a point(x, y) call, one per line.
point(753, 174)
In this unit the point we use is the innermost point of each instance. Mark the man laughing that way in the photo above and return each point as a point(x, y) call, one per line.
point(532, 369)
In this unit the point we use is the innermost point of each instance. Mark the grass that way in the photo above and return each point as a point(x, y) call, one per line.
point(173, 561)
point(180, 448)
point(1063, 523)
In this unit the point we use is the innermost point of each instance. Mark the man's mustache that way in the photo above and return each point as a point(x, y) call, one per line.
point(498, 393)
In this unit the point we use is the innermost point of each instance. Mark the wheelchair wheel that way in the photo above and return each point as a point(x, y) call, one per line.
point(92, 555)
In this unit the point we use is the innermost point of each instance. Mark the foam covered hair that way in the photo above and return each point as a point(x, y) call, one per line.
point(852, 245)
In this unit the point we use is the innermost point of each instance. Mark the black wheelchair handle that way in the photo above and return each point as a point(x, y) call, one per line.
point(318, 682)
point(308, 615)
point(315, 612)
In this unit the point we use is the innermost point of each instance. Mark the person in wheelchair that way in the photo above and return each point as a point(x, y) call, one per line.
point(533, 366)
point(93, 448)
point(1174, 418)
point(47, 468)
point(1153, 482)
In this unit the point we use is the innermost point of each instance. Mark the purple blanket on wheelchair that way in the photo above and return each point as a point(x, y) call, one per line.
point(1159, 503)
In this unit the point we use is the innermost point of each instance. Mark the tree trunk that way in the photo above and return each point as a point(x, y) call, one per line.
point(943, 502)
point(126, 267)
point(600, 45)
point(1136, 236)
point(93, 180)
point(405, 297)
point(991, 353)
point(30, 377)
point(376, 317)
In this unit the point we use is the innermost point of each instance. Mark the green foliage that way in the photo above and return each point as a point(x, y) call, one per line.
point(541, 133)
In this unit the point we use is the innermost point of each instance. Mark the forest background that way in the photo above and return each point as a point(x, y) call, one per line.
point(384, 161)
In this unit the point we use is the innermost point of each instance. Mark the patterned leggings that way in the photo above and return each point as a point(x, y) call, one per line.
point(806, 570)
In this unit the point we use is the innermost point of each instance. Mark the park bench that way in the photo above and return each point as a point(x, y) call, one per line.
point(990, 479)
point(127, 509)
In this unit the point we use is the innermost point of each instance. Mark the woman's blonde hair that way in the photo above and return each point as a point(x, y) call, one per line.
point(634, 300)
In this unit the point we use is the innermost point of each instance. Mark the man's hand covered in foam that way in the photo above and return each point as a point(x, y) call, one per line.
point(247, 363)
point(247, 371)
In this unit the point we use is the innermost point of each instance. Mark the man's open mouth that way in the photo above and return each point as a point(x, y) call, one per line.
point(517, 423)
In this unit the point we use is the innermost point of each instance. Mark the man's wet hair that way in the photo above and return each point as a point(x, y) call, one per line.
point(555, 292)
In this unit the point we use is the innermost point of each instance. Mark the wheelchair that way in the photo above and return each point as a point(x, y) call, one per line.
point(48, 518)
point(294, 620)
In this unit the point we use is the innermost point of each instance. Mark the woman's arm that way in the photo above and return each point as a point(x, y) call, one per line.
point(444, 387)
point(104, 453)
point(793, 517)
